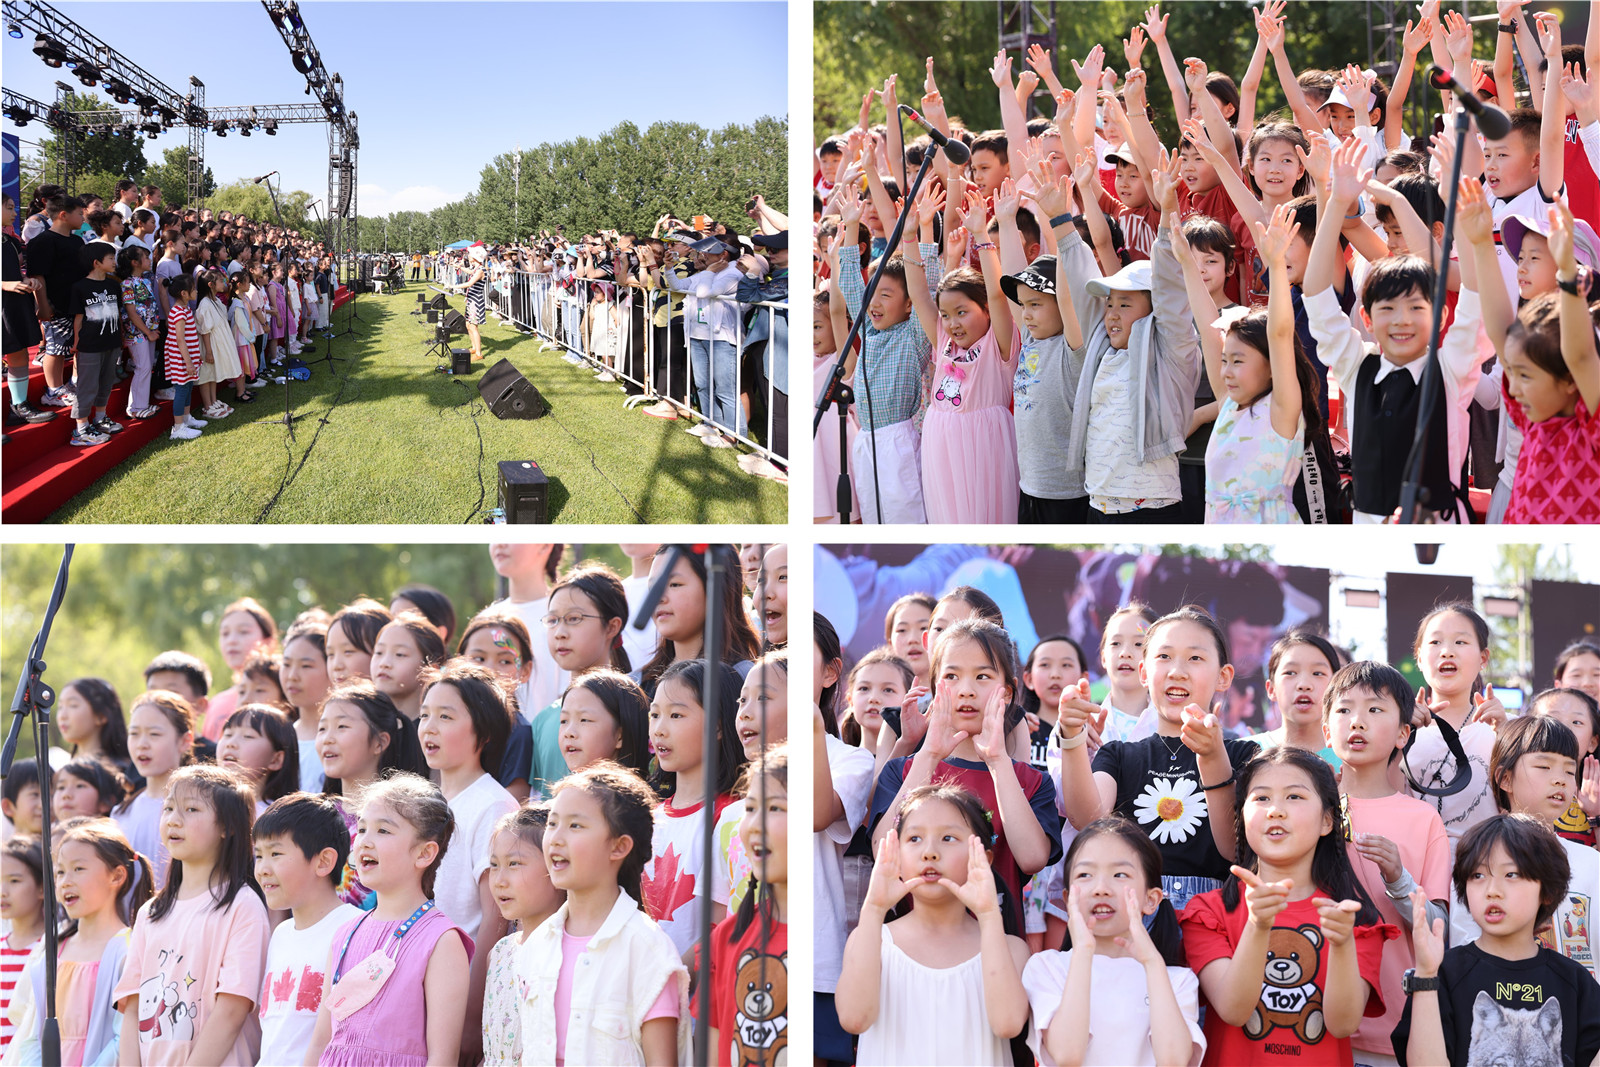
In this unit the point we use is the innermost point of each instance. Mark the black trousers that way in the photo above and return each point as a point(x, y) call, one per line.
point(1038, 511)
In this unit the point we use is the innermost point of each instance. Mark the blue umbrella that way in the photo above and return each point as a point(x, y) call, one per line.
point(462, 244)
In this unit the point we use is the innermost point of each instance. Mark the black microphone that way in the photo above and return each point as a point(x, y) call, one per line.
point(264, 177)
point(954, 150)
point(1492, 122)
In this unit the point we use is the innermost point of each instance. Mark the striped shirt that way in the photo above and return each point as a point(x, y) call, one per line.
point(11, 961)
point(181, 330)
point(893, 360)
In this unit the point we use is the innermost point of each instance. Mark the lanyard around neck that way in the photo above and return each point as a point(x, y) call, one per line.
point(400, 931)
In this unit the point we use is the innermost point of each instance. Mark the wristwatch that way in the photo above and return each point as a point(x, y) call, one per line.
point(1410, 983)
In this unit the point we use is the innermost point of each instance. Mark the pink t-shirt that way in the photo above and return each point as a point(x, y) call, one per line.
point(1418, 832)
point(665, 1007)
point(178, 966)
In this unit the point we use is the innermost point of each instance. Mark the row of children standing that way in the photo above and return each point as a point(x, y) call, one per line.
point(1289, 882)
point(1112, 332)
point(457, 872)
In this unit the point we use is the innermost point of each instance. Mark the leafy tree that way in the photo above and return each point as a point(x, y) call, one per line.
point(172, 175)
point(111, 154)
point(253, 201)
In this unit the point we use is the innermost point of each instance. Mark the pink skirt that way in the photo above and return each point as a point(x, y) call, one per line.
point(969, 466)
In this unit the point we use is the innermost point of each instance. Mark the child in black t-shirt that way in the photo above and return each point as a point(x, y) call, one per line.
point(1502, 998)
point(96, 310)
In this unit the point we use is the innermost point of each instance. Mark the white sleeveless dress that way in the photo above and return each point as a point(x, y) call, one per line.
point(929, 1016)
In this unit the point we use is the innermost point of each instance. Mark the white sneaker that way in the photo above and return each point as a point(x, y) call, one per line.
point(184, 433)
point(162, 394)
point(295, 350)
point(605, 376)
point(716, 440)
point(699, 429)
point(763, 467)
point(194, 423)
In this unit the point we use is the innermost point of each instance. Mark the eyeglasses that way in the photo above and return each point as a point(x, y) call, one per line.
point(571, 619)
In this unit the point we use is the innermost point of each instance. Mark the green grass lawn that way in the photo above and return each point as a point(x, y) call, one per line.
point(390, 440)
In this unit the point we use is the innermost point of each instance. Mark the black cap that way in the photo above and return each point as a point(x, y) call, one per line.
point(1040, 276)
point(772, 240)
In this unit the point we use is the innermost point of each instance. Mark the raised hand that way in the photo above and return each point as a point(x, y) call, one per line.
point(1414, 40)
point(1194, 129)
point(1006, 202)
point(1589, 791)
point(1084, 171)
point(1078, 919)
point(1426, 708)
point(1338, 919)
point(1164, 181)
point(1317, 161)
point(1474, 216)
point(1133, 46)
point(1027, 82)
point(1383, 852)
point(1443, 150)
point(850, 208)
point(885, 889)
point(1088, 72)
point(1346, 179)
point(1051, 191)
point(1427, 939)
point(1561, 242)
point(1263, 899)
point(977, 221)
point(929, 202)
point(1116, 118)
point(1075, 712)
point(913, 719)
point(991, 740)
point(864, 122)
point(1000, 71)
point(956, 242)
point(977, 893)
point(1458, 40)
point(1133, 88)
point(1039, 60)
point(1549, 32)
point(1137, 941)
point(1202, 732)
point(1578, 91)
point(928, 85)
point(887, 93)
point(943, 737)
point(1194, 74)
point(1273, 239)
point(1486, 707)
point(1155, 23)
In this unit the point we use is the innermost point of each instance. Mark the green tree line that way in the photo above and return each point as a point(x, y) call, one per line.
point(858, 45)
point(127, 603)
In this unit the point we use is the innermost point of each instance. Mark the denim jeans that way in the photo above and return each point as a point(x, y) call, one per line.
point(715, 365)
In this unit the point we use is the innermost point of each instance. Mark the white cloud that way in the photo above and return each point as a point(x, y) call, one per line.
point(375, 200)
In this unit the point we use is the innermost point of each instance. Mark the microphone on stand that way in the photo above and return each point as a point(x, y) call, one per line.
point(954, 149)
point(264, 177)
point(1492, 122)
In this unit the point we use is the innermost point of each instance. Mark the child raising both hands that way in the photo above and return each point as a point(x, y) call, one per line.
point(942, 984)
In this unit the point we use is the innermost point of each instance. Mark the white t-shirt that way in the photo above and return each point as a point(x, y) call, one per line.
point(141, 825)
point(639, 644)
point(1430, 763)
point(1113, 476)
point(312, 775)
point(547, 682)
point(476, 808)
point(291, 991)
point(1119, 1007)
point(851, 769)
point(673, 892)
point(1572, 931)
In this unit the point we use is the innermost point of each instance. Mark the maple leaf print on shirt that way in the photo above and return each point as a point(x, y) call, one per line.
point(666, 889)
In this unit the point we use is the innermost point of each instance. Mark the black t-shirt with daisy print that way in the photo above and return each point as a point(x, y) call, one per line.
point(1158, 787)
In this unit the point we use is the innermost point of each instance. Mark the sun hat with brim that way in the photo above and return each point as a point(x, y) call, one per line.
point(711, 246)
point(1585, 242)
point(1130, 279)
point(1120, 154)
point(1040, 276)
point(1338, 97)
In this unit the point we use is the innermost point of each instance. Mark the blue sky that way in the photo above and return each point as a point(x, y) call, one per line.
point(441, 88)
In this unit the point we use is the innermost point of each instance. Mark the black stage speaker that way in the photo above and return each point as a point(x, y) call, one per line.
point(510, 395)
point(455, 322)
point(524, 492)
point(461, 361)
point(438, 302)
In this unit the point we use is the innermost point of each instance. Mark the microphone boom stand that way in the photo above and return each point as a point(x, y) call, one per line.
point(33, 699)
point(1413, 495)
point(830, 394)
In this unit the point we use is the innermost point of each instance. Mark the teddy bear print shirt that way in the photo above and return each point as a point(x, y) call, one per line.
point(1288, 1024)
point(750, 993)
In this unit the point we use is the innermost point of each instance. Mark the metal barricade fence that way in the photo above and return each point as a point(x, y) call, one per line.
point(612, 328)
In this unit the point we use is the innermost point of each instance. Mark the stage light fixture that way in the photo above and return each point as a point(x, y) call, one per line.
point(271, 126)
point(220, 128)
point(13, 30)
point(49, 51)
point(18, 116)
point(119, 90)
point(244, 129)
point(87, 73)
point(302, 61)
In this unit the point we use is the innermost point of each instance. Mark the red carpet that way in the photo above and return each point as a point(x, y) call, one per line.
point(42, 471)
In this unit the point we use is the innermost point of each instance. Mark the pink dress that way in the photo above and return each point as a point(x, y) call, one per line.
point(391, 1029)
point(969, 442)
point(280, 305)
